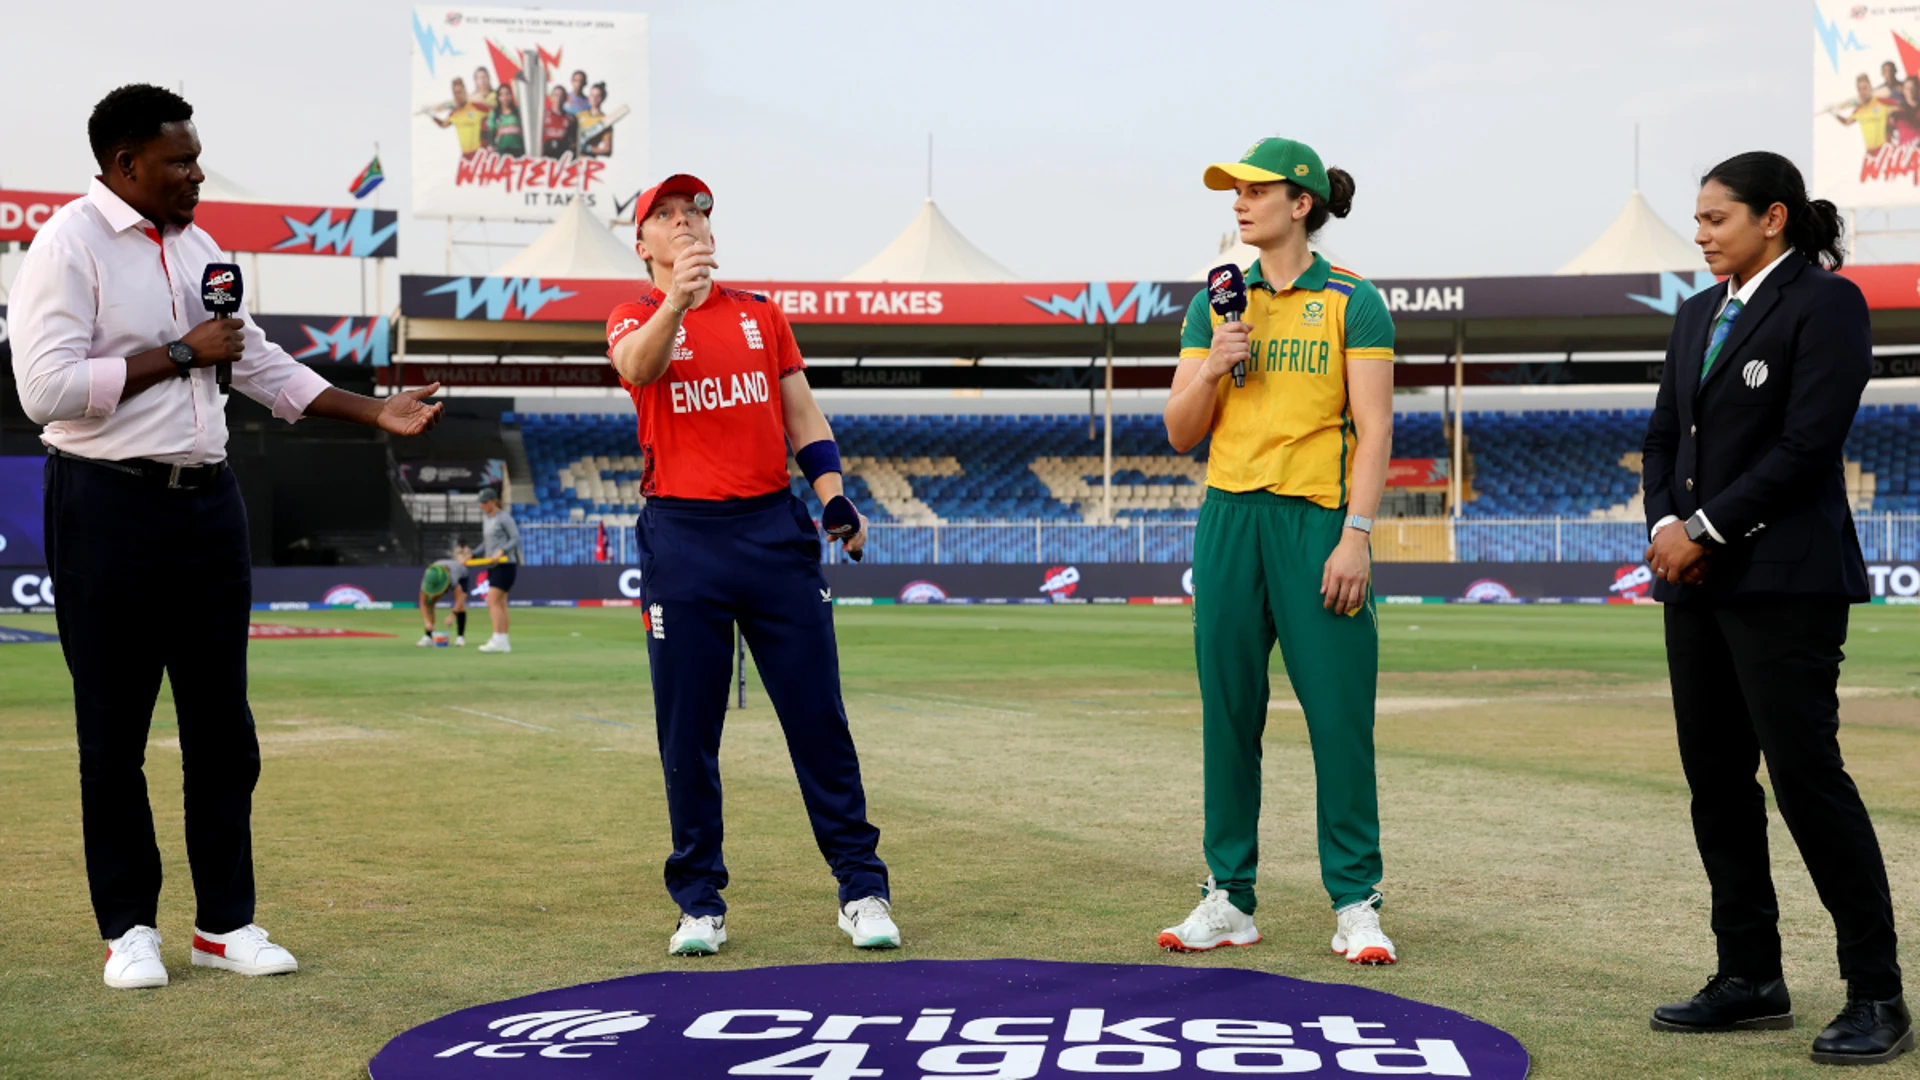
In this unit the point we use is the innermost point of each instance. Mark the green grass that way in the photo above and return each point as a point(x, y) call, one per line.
point(1029, 768)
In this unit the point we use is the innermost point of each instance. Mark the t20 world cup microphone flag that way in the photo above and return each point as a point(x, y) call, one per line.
point(368, 179)
point(221, 290)
point(1227, 292)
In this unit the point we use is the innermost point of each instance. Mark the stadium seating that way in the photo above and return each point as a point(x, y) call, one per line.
point(1569, 463)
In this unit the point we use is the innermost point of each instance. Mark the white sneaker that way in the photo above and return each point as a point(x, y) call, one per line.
point(245, 950)
point(494, 644)
point(425, 642)
point(1214, 923)
point(869, 922)
point(700, 935)
point(459, 641)
point(1358, 936)
point(133, 960)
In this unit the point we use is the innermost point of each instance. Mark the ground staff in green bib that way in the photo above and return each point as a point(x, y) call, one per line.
point(1294, 476)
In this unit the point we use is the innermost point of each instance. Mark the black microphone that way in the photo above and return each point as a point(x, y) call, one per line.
point(1227, 292)
point(221, 289)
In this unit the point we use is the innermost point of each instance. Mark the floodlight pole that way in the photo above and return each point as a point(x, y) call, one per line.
point(1106, 483)
point(1458, 478)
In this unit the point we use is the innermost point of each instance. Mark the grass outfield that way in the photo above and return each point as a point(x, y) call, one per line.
point(438, 829)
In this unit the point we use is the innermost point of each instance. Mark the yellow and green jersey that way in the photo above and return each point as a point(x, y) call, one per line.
point(1289, 430)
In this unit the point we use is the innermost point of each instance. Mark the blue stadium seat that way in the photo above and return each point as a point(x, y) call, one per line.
point(1521, 464)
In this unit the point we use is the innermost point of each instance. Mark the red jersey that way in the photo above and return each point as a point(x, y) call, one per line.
point(712, 426)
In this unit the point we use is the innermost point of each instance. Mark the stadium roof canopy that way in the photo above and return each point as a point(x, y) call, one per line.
point(1637, 242)
point(576, 246)
point(930, 249)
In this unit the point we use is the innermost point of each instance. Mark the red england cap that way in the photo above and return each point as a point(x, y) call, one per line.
point(677, 184)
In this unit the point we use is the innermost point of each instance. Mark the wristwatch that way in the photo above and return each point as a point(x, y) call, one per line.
point(1364, 524)
point(181, 354)
point(1698, 532)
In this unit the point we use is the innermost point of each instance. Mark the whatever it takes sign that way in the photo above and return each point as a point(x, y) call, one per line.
point(1009, 1019)
point(517, 112)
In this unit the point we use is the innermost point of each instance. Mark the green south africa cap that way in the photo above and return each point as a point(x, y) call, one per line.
point(1273, 159)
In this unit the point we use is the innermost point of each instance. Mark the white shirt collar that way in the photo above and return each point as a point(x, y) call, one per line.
point(119, 216)
point(1745, 293)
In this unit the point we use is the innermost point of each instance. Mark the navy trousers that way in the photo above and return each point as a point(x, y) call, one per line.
point(112, 539)
point(704, 567)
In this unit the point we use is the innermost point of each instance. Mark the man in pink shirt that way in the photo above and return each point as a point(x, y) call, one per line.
point(115, 354)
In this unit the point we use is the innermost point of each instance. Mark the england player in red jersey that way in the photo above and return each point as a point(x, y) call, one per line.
point(722, 393)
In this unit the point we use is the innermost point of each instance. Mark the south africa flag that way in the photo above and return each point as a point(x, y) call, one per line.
point(368, 179)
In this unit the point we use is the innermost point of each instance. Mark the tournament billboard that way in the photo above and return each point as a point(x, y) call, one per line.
point(517, 112)
point(1866, 103)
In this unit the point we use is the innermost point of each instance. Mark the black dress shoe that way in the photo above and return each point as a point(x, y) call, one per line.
point(1730, 1003)
point(1866, 1032)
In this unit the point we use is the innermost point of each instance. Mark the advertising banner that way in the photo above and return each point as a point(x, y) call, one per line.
point(518, 112)
point(1866, 104)
point(270, 228)
point(1418, 474)
point(22, 515)
point(498, 299)
point(27, 587)
point(330, 339)
point(467, 476)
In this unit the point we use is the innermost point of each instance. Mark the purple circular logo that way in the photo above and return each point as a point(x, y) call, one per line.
point(923, 1019)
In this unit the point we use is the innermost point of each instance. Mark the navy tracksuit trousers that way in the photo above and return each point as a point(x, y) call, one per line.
point(706, 565)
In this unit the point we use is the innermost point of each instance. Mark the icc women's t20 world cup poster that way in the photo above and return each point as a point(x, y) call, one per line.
point(1866, 103)
point(517, 112)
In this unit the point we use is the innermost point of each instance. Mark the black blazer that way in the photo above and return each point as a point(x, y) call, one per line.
point(1758, 444)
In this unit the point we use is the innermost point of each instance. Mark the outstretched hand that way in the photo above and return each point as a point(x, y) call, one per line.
point(408, 413)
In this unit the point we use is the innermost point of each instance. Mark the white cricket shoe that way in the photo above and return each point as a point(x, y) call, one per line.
point(459, 641)
point(869, 922)
point(133, 960)
point(494, 644)
point(425, 642)
point(1358, 936)
point(1214, 923)
point(698, 935)
point(245, 950)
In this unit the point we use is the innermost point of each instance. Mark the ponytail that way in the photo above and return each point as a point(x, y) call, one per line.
point(1760, 179)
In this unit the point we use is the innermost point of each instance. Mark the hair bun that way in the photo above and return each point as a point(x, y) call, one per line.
point(1340, 188)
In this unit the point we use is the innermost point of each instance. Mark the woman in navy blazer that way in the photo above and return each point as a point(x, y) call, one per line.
point(1754, 547)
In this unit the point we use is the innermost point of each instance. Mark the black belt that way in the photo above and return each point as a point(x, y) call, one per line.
point(173, 476)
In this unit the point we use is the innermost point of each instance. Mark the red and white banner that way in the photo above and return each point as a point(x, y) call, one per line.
point(354, 232)
point(1417, 473)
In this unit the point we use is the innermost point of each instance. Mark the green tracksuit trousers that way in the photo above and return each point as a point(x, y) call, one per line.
point(1257, 564)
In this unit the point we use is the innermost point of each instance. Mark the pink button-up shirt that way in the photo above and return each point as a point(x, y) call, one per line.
point(100, 284)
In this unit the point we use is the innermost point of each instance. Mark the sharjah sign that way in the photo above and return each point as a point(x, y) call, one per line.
point(273, 228)
point(1866, 103)
point(518, 112)
point(924, 1018)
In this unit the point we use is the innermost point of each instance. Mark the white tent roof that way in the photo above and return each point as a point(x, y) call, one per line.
point(1234, 250)
point(1637, 242)
point(218, 188)
point(575, 246)
point(931, 249)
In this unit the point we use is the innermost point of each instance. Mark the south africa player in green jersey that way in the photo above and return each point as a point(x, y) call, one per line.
point(1294, 476)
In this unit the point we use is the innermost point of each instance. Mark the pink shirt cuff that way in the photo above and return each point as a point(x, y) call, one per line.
point(106, 381)
point(301, 388)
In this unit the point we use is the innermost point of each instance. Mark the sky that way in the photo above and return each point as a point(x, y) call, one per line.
point(1069, 137)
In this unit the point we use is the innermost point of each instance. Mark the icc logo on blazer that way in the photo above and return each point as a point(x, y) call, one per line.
point(1755, 373)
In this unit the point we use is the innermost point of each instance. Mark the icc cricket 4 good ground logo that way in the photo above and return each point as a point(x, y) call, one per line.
point(1009, 1019)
